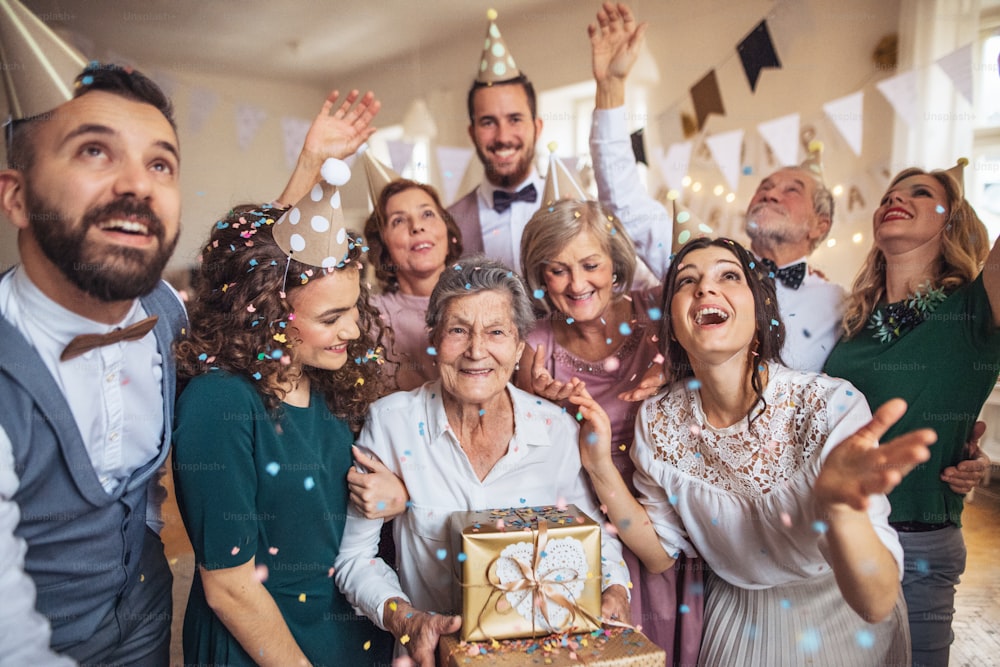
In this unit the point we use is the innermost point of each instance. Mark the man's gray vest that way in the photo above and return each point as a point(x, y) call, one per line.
point(84, 545)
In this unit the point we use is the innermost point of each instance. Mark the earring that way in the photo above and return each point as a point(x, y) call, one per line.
point(614, 277)
point(517, 366)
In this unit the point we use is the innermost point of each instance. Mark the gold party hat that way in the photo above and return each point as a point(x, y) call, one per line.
point(38, 67)
point(377, 173)
point(560, 183)
point(958, 173)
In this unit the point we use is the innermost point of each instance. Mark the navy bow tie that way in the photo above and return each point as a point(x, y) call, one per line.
point(503, 199)
point(790, 276)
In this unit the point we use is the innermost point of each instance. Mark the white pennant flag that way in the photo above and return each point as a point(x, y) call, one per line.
point(726, 149)
point(400, 153)
point(675, 163)
point(902, 92)
point(249, 118)
point(293, 134)
point(958, 66)
point(203, 103)
point(452, 163)
point(845, 114)
point(782, 135)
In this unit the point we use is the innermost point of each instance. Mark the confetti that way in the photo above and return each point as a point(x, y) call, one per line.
point(309, 483)
point(272, 468)
point(273, 551)
point(302, 597)
point(235, 551)
point(864, 638)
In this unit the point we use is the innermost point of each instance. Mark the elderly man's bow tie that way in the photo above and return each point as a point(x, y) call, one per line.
point(86, 342)
point(790, 276)
point(503, 199)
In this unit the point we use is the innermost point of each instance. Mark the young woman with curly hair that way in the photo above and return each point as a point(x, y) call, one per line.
point(280, 365)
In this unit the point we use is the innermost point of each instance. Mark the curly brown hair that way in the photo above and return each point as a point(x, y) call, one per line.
point(240, 311)
point(385, 267)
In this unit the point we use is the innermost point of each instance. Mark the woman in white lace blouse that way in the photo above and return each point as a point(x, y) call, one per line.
point(772, 475)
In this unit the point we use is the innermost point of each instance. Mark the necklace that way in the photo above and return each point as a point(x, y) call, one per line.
point(896, 319)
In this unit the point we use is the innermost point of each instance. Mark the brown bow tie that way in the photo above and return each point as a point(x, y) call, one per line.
point(87, 342)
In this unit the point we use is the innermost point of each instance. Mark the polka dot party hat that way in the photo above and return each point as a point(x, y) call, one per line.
point(497, 64)
point(560, 182)
point(314, 231)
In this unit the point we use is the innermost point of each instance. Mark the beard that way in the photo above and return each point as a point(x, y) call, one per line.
point(105, 271)
point(778, 229)
point(501, 180)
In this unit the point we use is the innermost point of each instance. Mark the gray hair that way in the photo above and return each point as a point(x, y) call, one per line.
point(822, 201)
point(475, 274)
point(554, 227)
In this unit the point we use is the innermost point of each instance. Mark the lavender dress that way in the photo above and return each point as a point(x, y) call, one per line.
point(668, 606)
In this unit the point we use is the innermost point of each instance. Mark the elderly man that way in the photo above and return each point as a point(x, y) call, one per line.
point(87, 374)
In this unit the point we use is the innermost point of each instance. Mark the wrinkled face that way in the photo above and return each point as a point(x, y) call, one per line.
point(912, 215)
point(504, 133)
point(579, 279)
point(102, 195)
point(782, 209)
point(478, 346)
point(712, 311)
point(415, 235)
point(326, 319)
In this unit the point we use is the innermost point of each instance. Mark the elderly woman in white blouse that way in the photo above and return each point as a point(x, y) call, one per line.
point(772, 475)
point(470, 441)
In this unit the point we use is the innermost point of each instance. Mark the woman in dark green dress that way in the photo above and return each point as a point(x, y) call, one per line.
point(280, 362)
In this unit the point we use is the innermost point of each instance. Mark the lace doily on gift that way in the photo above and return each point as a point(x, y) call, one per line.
point(562, 565)
point(747, 460)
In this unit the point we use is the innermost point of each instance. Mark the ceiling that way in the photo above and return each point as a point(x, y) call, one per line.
point(305, 41)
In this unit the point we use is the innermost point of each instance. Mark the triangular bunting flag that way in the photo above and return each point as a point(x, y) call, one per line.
point(726, 149)
point(248, 120)
point(707, 98)
point(902, 92)
point(400, 153)
point(757, 52)
point(674, 165)
point(639, 146)
point(452, 162)
point(293, 134)
point(782, 135)
point(958, 66)
point(845, 114)
point(203, 103)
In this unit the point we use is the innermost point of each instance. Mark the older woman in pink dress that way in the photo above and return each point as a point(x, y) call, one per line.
point(599, 333)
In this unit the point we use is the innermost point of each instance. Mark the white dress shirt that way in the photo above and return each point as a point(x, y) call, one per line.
point(812, 315)
point(410, 433)
point(502, 231)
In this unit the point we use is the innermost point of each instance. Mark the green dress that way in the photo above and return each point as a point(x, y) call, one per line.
point(251, 486)
point(945, 368)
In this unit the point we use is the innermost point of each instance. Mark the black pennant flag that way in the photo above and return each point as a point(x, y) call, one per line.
point(639, 146)
point(757, 52)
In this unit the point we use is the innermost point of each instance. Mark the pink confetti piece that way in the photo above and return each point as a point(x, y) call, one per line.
point(658, 359)
point(273, 551)
point(235, 551)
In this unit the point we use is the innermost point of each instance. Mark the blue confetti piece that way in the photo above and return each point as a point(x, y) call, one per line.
point(431, 350)
point(864, 638)
point(684, 609)
point(570, 320)
point(87, 80)
point(309, 483)
point(715, 521)
point(923, 566)
point(672, 498)
point(939, 209)
point(380, 505)
point(753, 265)
point(608, 341)
point(694, 384)
point(786, 604)
point(819, 527)
point(774, 323)
point(202, 357)
point(850, 393)
point(409, 504)
point(272, 468)
point(807, 333)
point(624, 329)
point(539, 294)
point(468, 285)
point(462, 557)
point(655, 314)
point(810, 640)
point(747, 170)
point(277, 354)
point(442, 554)
point(750, 631)
point(482, 412)
point(257, 375)
point(523, 500)
point(592, 438)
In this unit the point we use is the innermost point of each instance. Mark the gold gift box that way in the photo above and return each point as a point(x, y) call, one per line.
point(509, 588)
point(601, 648)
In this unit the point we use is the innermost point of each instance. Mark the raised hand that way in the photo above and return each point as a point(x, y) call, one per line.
point(378, 493)
point(614, 43)
point(859, 466)
point(544, 385)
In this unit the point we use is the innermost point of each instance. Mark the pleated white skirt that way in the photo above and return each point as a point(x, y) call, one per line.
point(802, 623)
